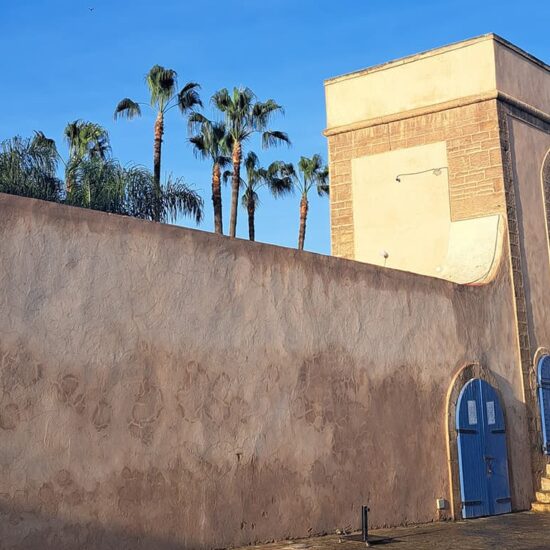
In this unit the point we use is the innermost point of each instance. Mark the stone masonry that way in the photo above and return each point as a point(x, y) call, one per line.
point(476, 184)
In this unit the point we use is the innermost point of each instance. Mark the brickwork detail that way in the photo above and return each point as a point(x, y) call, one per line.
point(474, 156)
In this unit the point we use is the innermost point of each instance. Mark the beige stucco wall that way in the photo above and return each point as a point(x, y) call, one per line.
point(522, 78)
point(167, 388)
point(530, 146)
point(457, 71)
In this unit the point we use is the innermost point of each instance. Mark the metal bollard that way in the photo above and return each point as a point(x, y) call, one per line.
point(365, 524)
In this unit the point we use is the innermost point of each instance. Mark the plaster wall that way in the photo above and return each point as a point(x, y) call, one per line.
point(522, 77)
point(168, 388)
point(402, 217)
point(530, 146)
point(446, 74)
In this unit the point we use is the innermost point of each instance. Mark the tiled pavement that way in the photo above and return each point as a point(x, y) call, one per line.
point(522, 531)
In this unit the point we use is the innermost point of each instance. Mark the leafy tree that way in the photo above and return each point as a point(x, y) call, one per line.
point(28, 167)
point(245, 116)
point(258, 177)
point(164, 95)
point(312, 172)
point(212, 142)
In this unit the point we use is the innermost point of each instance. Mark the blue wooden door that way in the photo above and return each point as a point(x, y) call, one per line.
point(482, 453)
point(543, 376)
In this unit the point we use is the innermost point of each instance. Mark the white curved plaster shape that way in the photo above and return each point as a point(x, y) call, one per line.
point(473, 250)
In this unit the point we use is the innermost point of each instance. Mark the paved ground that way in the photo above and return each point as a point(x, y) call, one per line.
point(524, 531)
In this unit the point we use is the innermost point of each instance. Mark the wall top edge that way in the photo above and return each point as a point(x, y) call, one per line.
point(439, 51)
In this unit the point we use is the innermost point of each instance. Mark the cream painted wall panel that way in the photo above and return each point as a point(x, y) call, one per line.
point(465, 70)
point(410, 219)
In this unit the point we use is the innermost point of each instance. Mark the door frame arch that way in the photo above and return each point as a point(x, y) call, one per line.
point(464, 374)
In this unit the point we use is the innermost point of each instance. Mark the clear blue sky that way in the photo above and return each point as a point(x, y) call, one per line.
point(60, 61)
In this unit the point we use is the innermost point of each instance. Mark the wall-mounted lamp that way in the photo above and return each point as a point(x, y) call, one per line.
point(434, 171)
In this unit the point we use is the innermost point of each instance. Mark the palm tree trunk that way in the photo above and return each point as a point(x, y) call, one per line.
point(304, 206)
point(68, 182)
point(217, 199)
point(251, 211)
point(235, 184)
point(157, 150)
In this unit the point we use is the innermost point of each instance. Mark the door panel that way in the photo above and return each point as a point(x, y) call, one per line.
point(482, 451)
point(543, 375)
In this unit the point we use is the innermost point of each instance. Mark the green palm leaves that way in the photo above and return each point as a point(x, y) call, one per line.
point(28, 167)
point(131, 191)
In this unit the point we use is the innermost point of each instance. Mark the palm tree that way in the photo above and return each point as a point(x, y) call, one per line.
point(245, 116)
point(258, 177)
point(28, 168)
point(312, 172)
point(214, 143)
point(106, 185)
point(86, 140)
point(98, 184)
point(163, 89)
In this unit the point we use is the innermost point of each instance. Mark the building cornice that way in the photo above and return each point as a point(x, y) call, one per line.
point(438, 107)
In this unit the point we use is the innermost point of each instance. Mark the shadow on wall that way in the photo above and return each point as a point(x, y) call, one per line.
point(22, 528)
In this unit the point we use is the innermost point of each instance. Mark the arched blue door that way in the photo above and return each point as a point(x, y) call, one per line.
point(543, 377)
point(482, 453)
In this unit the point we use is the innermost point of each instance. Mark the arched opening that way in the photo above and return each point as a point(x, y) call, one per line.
point(482, 451)
point(460, 380)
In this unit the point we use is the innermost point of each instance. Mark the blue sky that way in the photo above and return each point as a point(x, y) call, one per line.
point(60, 61)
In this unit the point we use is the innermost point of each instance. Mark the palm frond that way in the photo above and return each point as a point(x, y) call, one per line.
point(162, 83)
point(188, 97)
point(195, 120)
point(28, 168)
point(274, 138)
point(178, 197)
point(221, 100)
point(262, 113)
point(323, 187)
point(250, 199)
point(199, 146)
point(127, 108)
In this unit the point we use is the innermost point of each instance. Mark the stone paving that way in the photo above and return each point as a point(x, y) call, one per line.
point(521, 531)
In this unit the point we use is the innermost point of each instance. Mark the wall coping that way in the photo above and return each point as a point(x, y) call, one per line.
point(101, 222)
point(439, 51)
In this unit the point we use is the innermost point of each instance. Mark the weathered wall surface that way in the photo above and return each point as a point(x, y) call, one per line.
point(526, 140)
point(168, 388)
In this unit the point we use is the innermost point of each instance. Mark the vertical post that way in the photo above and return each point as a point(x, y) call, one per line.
point(365, 523)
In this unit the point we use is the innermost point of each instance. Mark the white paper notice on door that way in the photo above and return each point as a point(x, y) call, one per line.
point(472, 412)
point(491, 413)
